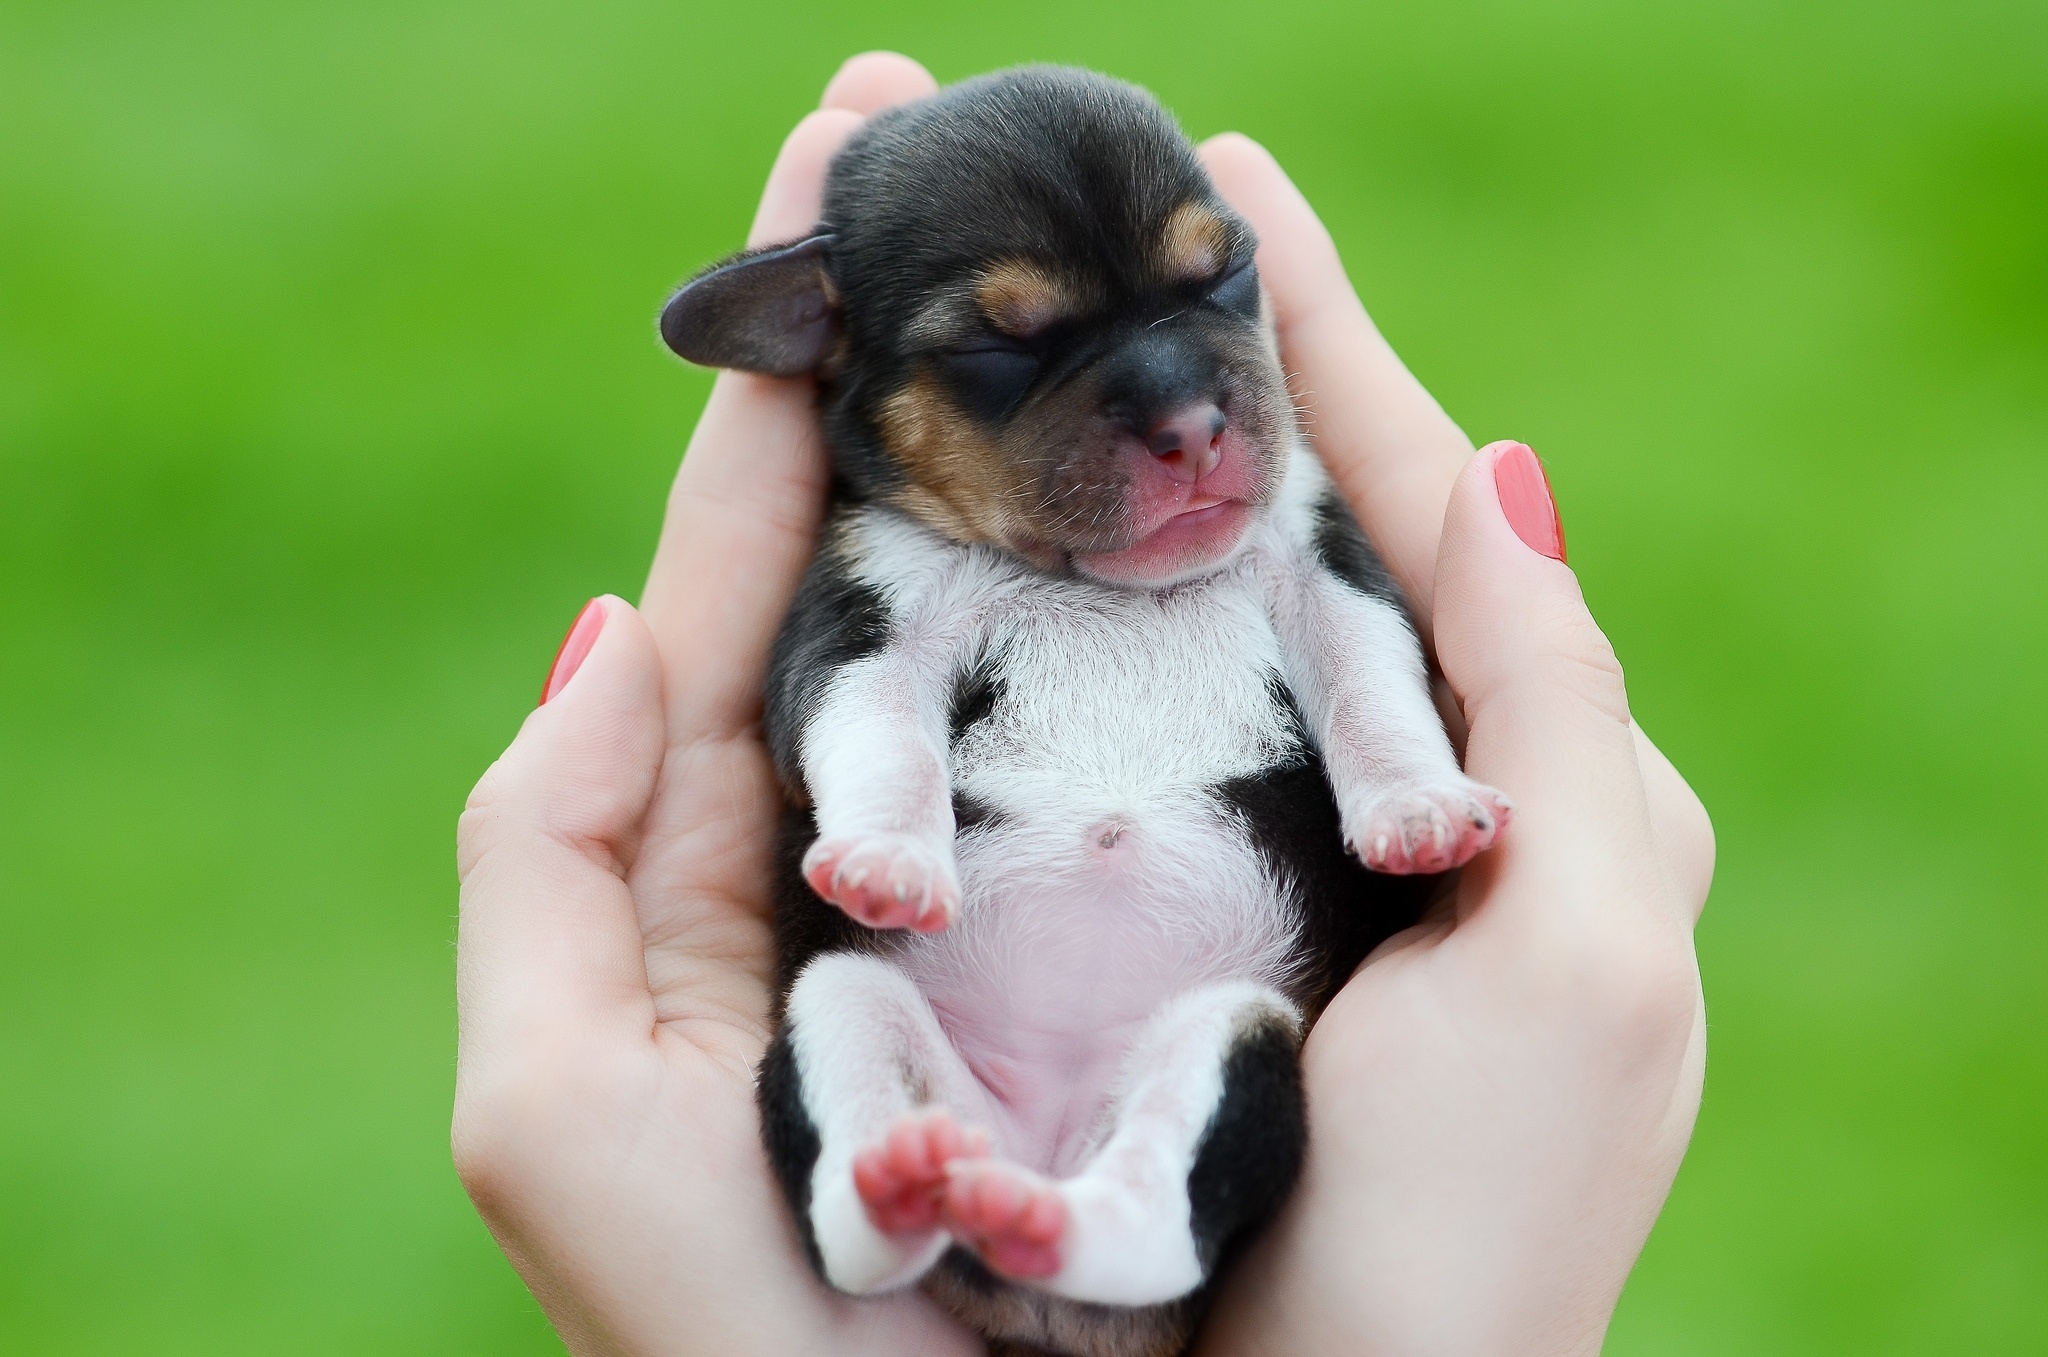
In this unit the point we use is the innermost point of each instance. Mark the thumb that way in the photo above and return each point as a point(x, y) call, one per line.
point(1541, 690)
point(1513, 633)
point(549, 941)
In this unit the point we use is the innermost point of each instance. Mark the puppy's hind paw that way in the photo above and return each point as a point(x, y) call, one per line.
point(885, 881)
point(1427, 826)
point(902, 1182)
point(1013, 1219)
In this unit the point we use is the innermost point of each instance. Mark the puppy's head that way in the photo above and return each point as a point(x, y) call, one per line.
point(1035, 324)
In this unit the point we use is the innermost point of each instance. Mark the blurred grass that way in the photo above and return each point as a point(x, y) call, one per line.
point(328, 391)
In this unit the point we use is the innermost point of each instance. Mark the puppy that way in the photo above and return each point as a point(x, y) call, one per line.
point(1108, 740)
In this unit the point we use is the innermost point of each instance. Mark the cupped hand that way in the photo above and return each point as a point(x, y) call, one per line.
point(1499, 1099)
point(615, 946)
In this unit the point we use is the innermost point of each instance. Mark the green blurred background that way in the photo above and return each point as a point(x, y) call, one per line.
point(328, 391)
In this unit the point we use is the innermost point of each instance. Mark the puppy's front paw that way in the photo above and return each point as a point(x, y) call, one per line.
point(885, 881)
point(1427, 826)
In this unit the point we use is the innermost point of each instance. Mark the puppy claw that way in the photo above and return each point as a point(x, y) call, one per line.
point(885, 881)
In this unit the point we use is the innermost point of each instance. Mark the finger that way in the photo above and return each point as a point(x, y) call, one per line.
point(741, 520)
point(1685, 833)
point(873, 81)
point(864, 85)
point(795, 191)
point(549, 944)
point(1389, 446)
point(743, 512)
point(1544, 699)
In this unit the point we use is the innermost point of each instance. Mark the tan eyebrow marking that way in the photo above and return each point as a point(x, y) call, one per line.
point(1194, 243)
point(1022, 299)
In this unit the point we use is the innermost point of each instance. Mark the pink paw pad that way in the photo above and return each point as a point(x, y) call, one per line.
point(885, 881)
point(1012, 1218)
point(902, 1182)
point(1430, 827)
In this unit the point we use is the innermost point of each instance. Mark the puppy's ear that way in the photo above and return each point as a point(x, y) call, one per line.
point(768, 310)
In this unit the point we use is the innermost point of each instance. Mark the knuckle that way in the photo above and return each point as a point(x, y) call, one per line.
point(1696, 852)
point(509, 1115)
point(476, 827)
point(484, 1142)
point(1575, 647)
point(473, 834)
point(1572, 628)
point(1638, 989)
point(477, 1160)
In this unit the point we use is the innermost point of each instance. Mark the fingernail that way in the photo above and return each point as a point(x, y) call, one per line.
point(1526, 500)
point(583, 633)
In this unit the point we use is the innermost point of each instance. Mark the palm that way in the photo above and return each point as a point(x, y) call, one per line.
point(701, 884)
point(1437, 1054)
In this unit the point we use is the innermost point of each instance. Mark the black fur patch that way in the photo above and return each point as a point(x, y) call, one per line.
point(975, 694)
point(970, 1272)
point(804, 927)
point(1291, 817)
point(1026, 1322)
point(804, 924)
point(834, 620)
point(788, 1134)
point(1251, 1152)
point(971, 813)
point(1347, 553)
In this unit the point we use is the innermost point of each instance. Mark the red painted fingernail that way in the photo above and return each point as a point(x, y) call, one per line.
point(1526, 500)
point(575, 647)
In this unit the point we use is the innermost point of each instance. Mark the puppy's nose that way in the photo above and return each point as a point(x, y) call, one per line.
point(1189, 442)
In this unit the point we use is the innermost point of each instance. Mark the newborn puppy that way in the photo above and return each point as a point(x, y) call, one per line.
point(1092, 684)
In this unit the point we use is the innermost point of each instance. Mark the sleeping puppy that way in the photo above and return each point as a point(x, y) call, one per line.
point(1107, 738)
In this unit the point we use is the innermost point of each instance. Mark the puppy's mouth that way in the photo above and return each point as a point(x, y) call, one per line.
point(1197, 537)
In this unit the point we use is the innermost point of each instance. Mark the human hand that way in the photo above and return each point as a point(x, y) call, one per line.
point(1500, 1097)
point(615, 950)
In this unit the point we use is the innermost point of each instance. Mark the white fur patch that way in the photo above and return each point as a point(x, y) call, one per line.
point(1353, 662)
point(867, 1051)
point(1130, 1241)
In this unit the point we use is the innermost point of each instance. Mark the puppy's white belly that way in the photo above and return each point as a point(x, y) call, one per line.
point(1075, 928)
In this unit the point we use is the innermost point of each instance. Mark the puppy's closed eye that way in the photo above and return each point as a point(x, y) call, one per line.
point(991, 375)
point(1237, 290)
